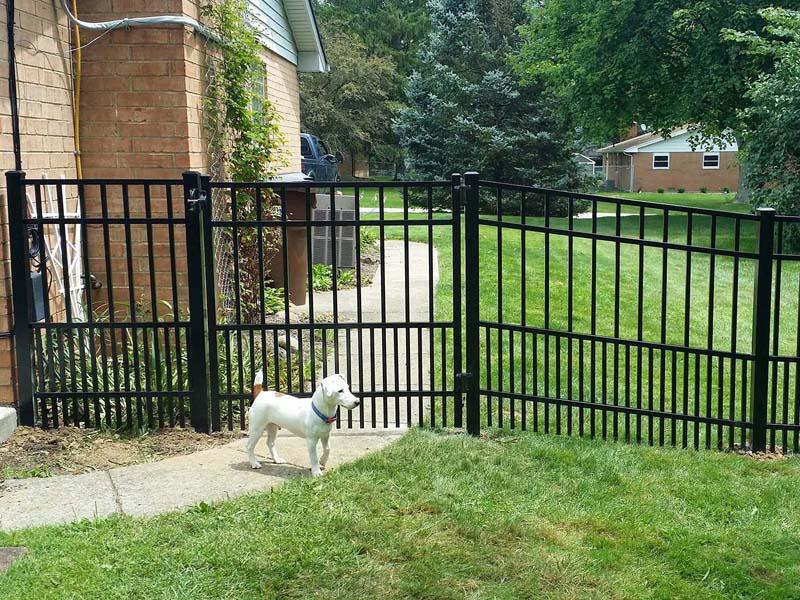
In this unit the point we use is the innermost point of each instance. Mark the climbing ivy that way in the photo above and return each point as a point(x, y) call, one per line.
point(242, 126)
point(245, 142)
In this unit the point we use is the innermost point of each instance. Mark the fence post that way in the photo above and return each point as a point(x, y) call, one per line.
point(472, 292)
point(20, 282)
point(194, 205)
point(456, 193)
point(759, 391)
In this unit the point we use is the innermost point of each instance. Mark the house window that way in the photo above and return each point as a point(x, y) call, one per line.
point(661, 161)
point(259, 89)
point(711, 160)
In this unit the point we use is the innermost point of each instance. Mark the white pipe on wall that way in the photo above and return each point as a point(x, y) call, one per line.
point(142, 22)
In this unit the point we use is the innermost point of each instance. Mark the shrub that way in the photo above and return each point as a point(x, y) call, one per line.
point(346, 278)
point(726, 190)
point(703, 190)
point(369, 238)
point(681, 190)
point(273, 300)
point(660, 190)
point(321, 278)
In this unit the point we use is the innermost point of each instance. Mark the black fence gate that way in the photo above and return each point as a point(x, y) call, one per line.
point(153, 303)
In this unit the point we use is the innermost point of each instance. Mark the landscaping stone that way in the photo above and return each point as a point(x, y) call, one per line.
point(8, 422)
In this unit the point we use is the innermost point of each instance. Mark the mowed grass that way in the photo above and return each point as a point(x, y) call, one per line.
point(443, 516)
point(711, 200)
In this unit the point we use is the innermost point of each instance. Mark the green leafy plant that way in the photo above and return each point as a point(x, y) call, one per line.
point(244, 137)
point(660, 190)
point(242, 125)
point(273, 300)
point(369, 238)
point(726, 190)
point(681, 190)
point(703, 190)
point(321, 278)
point(346, 278)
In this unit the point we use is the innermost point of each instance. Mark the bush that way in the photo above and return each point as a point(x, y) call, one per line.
point(660, 190)
point(703, 190)
point(321, 278)
point(273, 300)
point(726, 190)
point(681, 190)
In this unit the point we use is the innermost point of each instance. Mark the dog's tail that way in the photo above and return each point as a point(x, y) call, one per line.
point(258, 384)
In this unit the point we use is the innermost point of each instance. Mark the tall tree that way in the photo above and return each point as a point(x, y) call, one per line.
point(351, 107)
point(467, 109)
point(661, 62)
point(772, 119)
point(388, 28)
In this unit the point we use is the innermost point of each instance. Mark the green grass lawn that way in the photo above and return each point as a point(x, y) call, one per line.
point(442, 516)
point(716, 201)
point(689, 385)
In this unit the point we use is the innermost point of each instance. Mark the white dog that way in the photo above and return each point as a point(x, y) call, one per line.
point(309, 418)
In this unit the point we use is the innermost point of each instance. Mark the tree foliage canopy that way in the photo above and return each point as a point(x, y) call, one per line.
point(468, 109)
point(661, 62)
point(388, 28)
point(772, 117)
point(351, 107)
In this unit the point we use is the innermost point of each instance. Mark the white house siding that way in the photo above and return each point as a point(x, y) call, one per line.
point(680, 143)
point(270, 19)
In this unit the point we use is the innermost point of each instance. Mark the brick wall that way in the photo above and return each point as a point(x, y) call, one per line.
point(685, 171)
point(141, 117)
point(44, 84)
point(283, 90)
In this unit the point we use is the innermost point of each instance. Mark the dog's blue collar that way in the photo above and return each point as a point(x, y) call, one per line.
point(321, 415)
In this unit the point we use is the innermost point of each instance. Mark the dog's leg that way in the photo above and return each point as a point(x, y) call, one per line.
point(326, 449)
point(272, 433)
point(316, 471)
point(256, 430)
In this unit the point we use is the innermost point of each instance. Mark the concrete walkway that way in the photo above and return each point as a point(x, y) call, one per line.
point(171, 484)
point(404, 352)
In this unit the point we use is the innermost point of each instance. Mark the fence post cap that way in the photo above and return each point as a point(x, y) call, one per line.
point(765, 210)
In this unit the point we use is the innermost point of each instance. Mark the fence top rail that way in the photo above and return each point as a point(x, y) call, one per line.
point(100, 182)
point(327, 184)
point(662, 206)
point(787, 218)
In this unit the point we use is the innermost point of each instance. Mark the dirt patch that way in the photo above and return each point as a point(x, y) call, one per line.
point(31, 452)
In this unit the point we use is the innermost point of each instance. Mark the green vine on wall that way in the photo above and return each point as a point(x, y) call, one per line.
point(242, 127)
point(244, 136)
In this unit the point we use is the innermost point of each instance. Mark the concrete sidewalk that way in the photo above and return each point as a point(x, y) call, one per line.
point(171, 484)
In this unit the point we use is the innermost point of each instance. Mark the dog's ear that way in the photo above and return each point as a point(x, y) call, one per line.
point(258, 384)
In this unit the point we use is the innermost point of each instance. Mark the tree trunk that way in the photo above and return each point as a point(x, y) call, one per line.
point(742, 192)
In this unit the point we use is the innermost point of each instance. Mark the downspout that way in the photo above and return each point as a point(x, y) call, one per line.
point(127, 22)
point(76, 93)
point(12, 85)
point(630, 158)
point(12, 96)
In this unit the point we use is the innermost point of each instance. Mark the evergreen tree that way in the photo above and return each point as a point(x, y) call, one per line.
point(468, 110)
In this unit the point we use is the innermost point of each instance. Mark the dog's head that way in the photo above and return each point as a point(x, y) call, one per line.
point(336, 392)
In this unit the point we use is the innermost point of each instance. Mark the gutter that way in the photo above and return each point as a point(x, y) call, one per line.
point(127, 22)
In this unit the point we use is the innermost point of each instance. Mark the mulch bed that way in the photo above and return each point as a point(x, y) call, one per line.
point(32, 452)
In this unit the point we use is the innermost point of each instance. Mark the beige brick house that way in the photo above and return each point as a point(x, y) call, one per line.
point(141, 101)
point(650, 162)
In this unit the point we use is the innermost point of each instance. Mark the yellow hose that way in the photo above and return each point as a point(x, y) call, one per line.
point(76, 86)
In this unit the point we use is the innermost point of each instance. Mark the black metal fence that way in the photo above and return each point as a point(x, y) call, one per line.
point(624, 319)
point(154, 303)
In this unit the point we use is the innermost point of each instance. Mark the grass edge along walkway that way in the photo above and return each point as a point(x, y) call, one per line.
point(446, 516)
